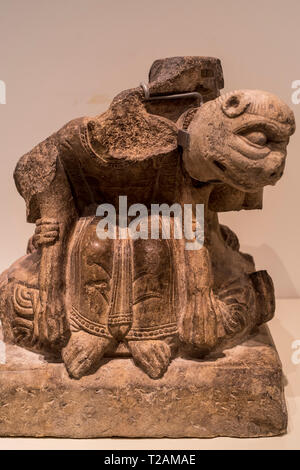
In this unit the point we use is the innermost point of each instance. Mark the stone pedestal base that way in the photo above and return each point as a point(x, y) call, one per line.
point(239, 394)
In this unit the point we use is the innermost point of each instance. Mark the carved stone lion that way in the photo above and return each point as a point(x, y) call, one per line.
point(80, 298)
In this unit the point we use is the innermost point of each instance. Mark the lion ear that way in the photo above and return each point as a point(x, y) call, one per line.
point(235, 104)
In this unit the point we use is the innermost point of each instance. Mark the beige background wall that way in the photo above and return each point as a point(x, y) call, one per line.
point(65, 58)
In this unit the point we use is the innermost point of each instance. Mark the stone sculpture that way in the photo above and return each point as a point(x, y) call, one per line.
point(76, 298)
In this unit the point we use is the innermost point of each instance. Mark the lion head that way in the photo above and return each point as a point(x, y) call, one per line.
point(239, 139)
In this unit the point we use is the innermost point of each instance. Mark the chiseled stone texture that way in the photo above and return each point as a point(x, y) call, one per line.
point(237, 394)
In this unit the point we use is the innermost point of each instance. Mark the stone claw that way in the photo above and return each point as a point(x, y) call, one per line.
point(83, 353)
point(46, 232)
point(153, 356)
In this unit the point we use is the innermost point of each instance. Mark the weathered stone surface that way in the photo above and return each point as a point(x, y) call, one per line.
point(239, 394)
point(144, 297)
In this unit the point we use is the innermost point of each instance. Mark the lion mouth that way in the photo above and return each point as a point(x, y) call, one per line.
point(266, 169)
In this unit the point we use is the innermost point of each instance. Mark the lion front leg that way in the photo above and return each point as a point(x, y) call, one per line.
point(57, 215)
point(198, 328)
point(49, 316)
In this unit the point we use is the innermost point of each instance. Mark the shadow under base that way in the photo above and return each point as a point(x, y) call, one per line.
point(237, 395)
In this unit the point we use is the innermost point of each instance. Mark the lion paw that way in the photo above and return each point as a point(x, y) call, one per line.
point(153, 356)
point(83, 354)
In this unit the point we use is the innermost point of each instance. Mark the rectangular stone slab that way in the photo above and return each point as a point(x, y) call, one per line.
point(239, 394)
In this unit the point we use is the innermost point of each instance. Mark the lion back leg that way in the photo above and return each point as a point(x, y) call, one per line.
point(19, 301)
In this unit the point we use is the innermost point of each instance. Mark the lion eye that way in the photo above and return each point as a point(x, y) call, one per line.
point(258, 138)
